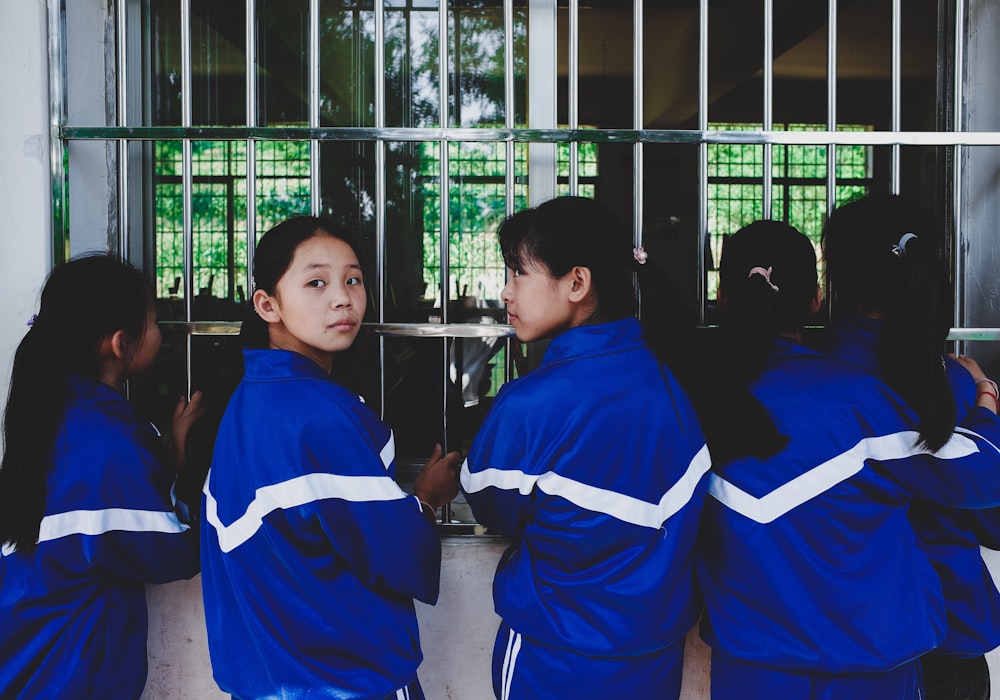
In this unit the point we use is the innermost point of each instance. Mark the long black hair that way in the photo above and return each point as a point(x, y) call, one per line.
point(767, 287)
point(83, 302)
point(272, 257)
point(884, 258)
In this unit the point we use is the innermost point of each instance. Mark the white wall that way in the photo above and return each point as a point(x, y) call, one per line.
point(25, 220)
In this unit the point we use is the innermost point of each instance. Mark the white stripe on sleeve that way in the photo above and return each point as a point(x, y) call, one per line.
point(825, 476)
point(617, 505)
point(297, 492)
point(97, 522)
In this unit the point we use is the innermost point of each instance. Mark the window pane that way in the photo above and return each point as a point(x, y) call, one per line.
point(283, 62)
point(347, 63)
point(411, 67)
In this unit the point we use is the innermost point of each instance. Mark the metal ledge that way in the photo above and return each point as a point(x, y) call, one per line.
point(424, 330)
point(476, 330)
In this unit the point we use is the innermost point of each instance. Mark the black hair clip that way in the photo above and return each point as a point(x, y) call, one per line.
point(899, 249)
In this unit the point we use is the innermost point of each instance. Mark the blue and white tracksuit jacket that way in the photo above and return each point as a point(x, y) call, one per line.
point(807, 560)
point(311, 554)
point(595, 465)
point(950, 537)
point(73, 610)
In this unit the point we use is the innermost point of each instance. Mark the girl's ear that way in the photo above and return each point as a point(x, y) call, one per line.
point(265, 307)
point(580, 283)
point(115, 345)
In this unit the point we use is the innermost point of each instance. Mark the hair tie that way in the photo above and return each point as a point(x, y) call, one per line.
point(31, 321)
point(640, 255)
point(900, 248)
point(766, 274)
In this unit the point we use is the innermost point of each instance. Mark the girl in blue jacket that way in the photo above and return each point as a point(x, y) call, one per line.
point(892, 301)
point(814, 583)
point(86, 516)
point(593, 464)
point(311, 554)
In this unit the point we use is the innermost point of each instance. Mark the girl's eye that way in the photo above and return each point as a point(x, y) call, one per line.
point(515, 272)
point(316, 283)
point(353, 281)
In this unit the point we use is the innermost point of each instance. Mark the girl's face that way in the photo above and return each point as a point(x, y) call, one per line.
point(318, 303)
point(538, 305)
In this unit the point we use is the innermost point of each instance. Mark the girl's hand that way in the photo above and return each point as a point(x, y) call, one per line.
point(986, 389)
point(437, 482)
point(185, 415)
point(974, 369)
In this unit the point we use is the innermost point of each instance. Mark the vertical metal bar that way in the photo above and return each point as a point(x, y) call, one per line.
point(510, 108)
point(831, 106)
point(57, 117)
point(702, 157)
point(251, 144)
point(443, 160)
point(314, 192)
point(768, 116)
point(831, 125)
point(121, 56)
point(510, 154)
point(187, 182)
point(638, 48)
point(573, 90)
point(445, 223)
point(958, 234)
point(380, 157)
point(542, 89)
point(380, 186)
point(896, 79)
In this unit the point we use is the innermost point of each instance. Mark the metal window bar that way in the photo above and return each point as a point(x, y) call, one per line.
point(251, 144)
point(573, 92)
point(768, 115)
point(314, 154)
point(958, 234)
point(187, 182)
point(895, 78)
point(831, 107)
point(637, 120)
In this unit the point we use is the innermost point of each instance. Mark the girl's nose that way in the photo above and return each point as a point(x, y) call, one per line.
point(341, 298)
point(505, 294)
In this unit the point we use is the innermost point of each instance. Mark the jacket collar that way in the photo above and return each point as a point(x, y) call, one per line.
point(595, 339)
point(279, 364)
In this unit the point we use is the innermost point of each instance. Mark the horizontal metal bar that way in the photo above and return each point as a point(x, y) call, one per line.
point(974, 334)
point(426, 330)
point(472, 330)
point(442, 330)
point(202, 327)
point(226, 133)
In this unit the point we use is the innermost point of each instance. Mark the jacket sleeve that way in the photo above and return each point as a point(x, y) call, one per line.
point(371, 523)
point(137, 534)
point(497, 477)
point(964, 473)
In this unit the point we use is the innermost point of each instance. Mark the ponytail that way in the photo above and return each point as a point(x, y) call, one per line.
point(883, 257)
point(767, 284)
point(83, 301)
